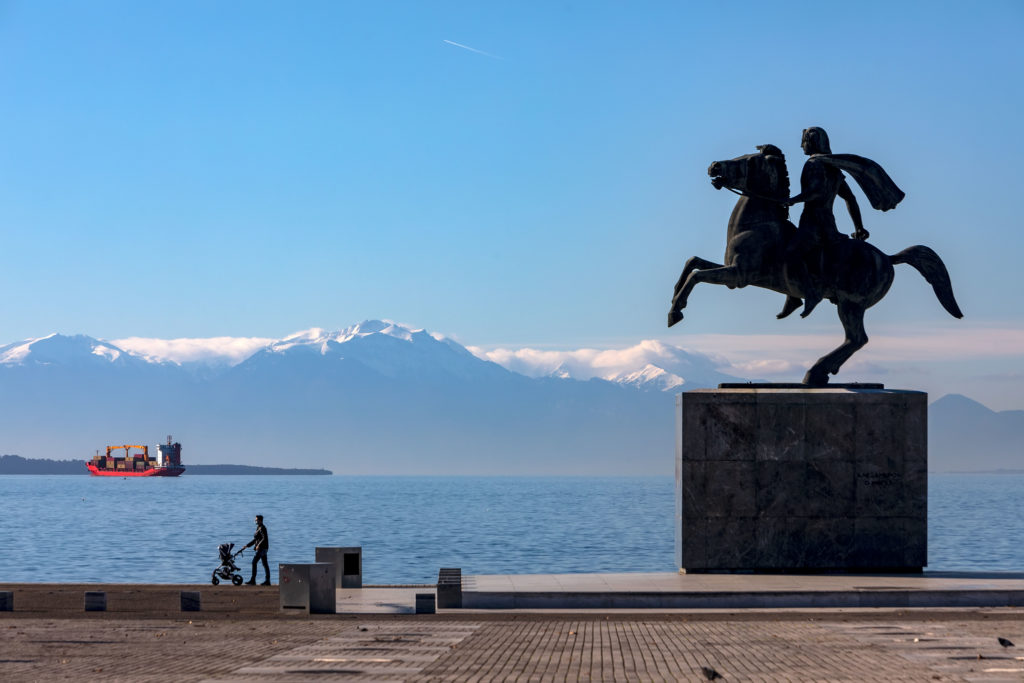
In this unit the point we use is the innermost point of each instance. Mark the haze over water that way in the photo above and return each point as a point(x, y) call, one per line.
point(67, 528)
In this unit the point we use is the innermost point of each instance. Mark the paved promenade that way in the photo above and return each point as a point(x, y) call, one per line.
point(240, 636)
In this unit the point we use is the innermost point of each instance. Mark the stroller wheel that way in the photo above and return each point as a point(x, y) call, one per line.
point(215, 581)
point(237, 579)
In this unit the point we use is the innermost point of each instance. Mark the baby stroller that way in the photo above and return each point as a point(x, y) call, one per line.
point(227, 569)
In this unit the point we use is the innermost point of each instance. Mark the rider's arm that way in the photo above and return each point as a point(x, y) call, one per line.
point(851, 205)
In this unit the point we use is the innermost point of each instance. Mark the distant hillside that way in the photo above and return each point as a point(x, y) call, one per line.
point(15, 464)
point(965, 436)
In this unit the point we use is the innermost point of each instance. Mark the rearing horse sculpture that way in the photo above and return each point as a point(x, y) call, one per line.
point(757, 253)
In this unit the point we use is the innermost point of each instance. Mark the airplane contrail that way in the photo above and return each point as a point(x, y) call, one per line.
point(471, 49)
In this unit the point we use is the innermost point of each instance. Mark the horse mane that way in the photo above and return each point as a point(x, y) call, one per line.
point(773, 151)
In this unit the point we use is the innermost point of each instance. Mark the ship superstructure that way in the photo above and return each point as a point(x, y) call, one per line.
point(166, 464)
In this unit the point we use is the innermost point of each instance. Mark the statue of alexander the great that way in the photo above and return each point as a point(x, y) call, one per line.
point(813, 261)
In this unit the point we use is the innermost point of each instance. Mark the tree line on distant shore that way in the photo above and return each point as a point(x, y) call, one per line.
point(15, 464)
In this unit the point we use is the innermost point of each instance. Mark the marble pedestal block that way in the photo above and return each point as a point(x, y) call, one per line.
point(801, 479)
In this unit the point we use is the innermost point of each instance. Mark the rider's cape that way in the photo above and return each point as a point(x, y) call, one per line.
point(879, 188)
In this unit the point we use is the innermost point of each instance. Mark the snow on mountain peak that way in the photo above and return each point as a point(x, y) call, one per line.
point(385, 327)
point(649, 377)
point(561, 372)
point(16, 353)
point(312, 336)
point(108, 352)
point(661, 366)
point(320, 339)
point(57, 349)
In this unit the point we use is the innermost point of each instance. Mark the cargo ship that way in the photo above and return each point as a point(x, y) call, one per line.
point(167, 463)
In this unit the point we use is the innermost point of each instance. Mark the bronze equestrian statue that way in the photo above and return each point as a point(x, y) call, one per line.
point(813, 261)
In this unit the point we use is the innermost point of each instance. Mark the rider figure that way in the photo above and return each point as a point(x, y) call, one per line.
point(820, 182)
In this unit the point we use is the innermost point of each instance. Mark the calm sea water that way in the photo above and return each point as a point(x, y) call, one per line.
point(66, 528)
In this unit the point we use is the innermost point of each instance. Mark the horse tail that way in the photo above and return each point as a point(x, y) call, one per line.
point(928, 263)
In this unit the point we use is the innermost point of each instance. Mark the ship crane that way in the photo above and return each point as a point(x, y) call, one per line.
point(126, 447)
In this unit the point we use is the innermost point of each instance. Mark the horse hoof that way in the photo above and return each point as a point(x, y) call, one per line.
point(674, 317)
point(816, 378)
point(792, 303)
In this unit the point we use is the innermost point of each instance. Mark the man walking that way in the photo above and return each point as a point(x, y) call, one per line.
point(262, 543)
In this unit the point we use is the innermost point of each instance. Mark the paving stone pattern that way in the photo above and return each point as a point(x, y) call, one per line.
point(676, 651)
point(526, 647)
point(140, 650)
point(395, 651)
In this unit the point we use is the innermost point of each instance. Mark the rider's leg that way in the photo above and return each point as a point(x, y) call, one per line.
point(809, 280)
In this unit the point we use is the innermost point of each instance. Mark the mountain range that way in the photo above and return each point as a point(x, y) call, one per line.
point(383, 398)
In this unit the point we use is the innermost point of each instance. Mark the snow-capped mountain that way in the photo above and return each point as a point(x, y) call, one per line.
point(384, 347)
point(650, 365)
point(649, 377)
point(379, 397)
point(376, 397)
point(67, 351)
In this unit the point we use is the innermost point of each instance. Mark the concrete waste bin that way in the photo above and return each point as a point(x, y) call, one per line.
point(307, 587)
point(348, 563)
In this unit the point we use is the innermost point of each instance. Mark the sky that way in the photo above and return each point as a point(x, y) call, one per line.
point(515, 175)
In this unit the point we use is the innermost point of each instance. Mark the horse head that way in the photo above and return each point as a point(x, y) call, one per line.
point(762, 175)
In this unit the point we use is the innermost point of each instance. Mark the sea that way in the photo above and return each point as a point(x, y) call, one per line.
point(166, 530)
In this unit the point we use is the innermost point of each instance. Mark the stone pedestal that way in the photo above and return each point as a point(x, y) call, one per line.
point(801, 479)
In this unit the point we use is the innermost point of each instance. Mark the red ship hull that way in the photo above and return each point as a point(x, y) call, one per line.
point(171, 471)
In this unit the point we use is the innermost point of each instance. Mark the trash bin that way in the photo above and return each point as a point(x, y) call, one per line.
point(307, 587)
point(348, 563)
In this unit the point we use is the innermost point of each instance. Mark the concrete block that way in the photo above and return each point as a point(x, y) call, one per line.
point(348, 564)
point(191, 601)
point(95, 601)
point(449, 588)
point(6, 601)
point(307, 587)
point(789, 478)
point(425, 603)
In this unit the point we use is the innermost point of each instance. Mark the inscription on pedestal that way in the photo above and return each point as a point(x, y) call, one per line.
point(776, 479)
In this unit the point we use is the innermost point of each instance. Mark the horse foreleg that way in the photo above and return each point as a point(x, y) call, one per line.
point(723, 275)
point(852, 317)
point(792, 303)
point(692, 264)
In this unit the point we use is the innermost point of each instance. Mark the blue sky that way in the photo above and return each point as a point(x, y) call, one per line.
point(252, 169)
